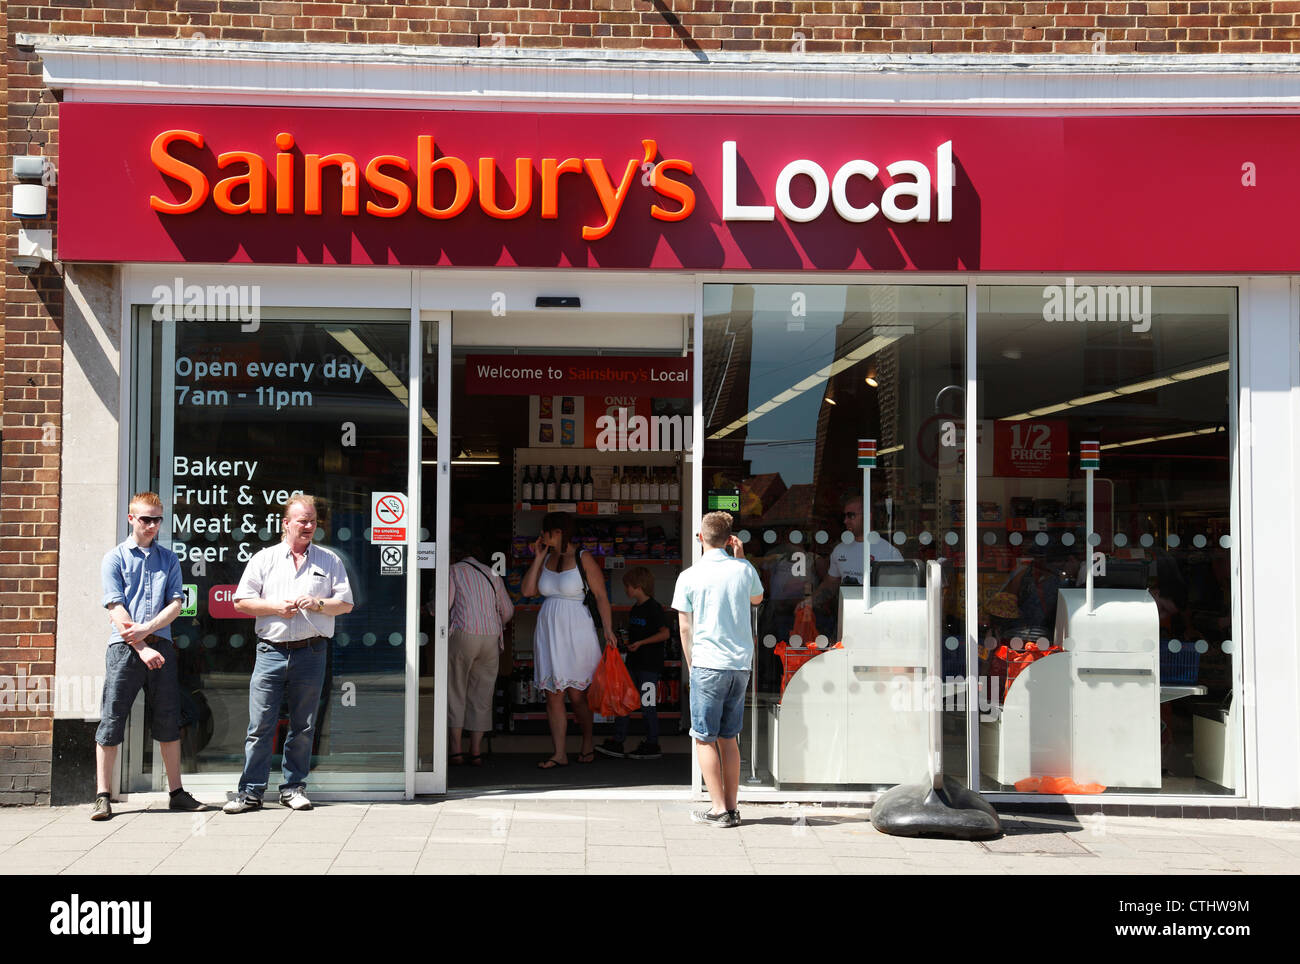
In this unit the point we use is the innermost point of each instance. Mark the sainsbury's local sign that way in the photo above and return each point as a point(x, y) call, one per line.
point(287, 185)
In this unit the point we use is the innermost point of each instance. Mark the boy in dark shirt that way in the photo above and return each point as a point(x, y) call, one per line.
point(647, 633)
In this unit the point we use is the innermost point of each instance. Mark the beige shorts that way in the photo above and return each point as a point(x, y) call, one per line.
point(472, 662)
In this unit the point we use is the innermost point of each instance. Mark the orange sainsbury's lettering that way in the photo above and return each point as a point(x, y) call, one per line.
point(426, 167)
point(487, 187)
point(386, 184)
point(347, 166)
point(173, 168)
point(254, 180)
point(551, 171)
point(611, 198)
point(673, 190)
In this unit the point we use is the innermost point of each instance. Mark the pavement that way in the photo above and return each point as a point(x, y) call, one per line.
point(519, 835)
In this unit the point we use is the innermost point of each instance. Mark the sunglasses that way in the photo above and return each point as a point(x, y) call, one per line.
point(150, 520)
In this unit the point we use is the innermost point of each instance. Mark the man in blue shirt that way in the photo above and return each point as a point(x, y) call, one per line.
point(712, 599)
point(143, 594)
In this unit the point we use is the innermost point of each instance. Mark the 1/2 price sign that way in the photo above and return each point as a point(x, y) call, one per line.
point(388, 517)
point(1032, 449)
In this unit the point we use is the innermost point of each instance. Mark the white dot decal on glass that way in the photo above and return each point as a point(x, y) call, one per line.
point(951, 643)
point(182, 642)
point(1015, 538)
point(236, 641)
point(1094, 540)
point(1199, 541)
point(925, 538)
point(1225, 541)
point(950, 538)
point(873, 537)
point(210, 641)
point(846, 537)
point(769, 536)
point(811, 644)
point(342, 639)
point(796, 642)
point(879, 687)
point(394, 639)
point(822, 537)
point(1123, 645)
point(1040, 539)
point(1227, 646)
point(1017, 643)
point(424, 639)
point(424, 534)
point(368, 639)
point(1174, 541)
point(822, 641)
point(1148, 645)
point(769, 641)
point(1202, 646)
point(990, 538)
point(1147, 540)
point(212, 536)
point(900, 538)
point(1121, 540)
point(1175, 646)
point(744, 536)
point(1068, 644)
point(365, 534)
point(1067, 538)
point(345, 534)
point(796, 537)
point(318, 535)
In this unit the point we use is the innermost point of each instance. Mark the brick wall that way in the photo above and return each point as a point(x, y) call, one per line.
point(31, 349)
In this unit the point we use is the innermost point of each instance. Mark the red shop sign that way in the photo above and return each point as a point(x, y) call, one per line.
point(1031, 449)
point(280, 185)
point(664, 376)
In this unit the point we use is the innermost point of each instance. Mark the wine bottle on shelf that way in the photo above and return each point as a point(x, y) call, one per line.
point(655, 486)
point(625, 490)
point(588, 486)
point(674, 486)
point(566, 485)
point(643, 488)
point(526, 486)
point(552, 486)
point(615, 492)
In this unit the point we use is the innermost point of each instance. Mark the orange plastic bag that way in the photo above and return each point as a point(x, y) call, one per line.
point(612, 692)
point(805, 625)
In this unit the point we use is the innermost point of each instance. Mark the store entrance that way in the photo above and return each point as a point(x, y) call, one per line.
point(596, 437)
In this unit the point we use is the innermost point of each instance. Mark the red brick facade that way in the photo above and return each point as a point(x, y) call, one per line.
point(31, 350)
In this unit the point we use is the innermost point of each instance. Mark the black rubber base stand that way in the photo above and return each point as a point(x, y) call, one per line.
point(918, 810)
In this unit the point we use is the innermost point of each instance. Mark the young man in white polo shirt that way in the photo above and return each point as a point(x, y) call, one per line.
point(712, 599)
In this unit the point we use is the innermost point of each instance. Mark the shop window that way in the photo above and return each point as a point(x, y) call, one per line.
point(1134, 692)
point(227, 423)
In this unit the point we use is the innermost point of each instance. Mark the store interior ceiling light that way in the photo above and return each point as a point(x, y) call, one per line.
point(882, 337)
point(1146, 385)
point(1164, 438)
point(375, 365)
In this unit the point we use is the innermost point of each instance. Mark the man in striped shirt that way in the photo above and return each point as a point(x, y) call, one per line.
point(479, 609)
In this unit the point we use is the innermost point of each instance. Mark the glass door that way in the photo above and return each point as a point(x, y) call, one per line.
point(833, 421)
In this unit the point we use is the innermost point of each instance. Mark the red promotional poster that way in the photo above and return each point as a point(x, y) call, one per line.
point(221, 603)
point(1031, 449)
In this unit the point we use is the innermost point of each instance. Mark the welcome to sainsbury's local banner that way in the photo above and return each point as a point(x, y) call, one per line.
point(280, 185)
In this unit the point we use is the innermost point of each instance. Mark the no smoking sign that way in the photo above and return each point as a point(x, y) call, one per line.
point(387, 517)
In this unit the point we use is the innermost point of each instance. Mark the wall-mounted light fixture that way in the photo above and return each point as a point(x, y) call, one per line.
point(30, 191)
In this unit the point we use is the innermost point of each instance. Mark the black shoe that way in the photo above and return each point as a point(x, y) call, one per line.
point(182, 800)
point(728, 818)
point(612, 748)
point(646, 751)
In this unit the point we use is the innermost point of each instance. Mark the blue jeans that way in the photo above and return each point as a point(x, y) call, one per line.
point(717, 703)
point(641, 677)
point(279, 673)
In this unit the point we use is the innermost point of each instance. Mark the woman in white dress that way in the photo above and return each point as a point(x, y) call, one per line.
point(565, 648)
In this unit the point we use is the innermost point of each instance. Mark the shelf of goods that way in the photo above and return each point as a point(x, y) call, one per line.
point(622, 529)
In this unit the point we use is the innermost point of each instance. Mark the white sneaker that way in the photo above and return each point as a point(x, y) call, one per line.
point(295, 799)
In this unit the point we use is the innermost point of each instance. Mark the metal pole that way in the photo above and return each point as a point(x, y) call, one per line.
point(753, 717)
point(866, 540)
point(1087, 537)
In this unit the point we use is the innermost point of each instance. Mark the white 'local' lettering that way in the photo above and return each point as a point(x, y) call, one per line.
point(835, 191)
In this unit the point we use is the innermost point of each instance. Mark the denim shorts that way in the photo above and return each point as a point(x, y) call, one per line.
point(717, 703)
point(124, 675)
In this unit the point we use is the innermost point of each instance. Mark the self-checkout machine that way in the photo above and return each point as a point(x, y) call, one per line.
point(857, 714)
point(1090, 713)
